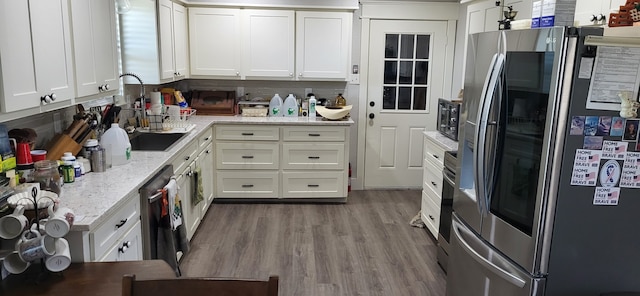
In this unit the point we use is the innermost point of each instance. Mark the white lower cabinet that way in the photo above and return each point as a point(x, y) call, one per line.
point(432, 185)
point(128, 248)
point(281, 161)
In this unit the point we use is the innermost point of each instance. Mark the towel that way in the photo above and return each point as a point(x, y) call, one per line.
point(174, 203)
point(198, 194)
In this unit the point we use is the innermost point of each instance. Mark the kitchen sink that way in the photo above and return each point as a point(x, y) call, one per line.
point(153, 141)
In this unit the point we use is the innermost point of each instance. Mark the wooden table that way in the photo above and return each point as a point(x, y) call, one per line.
point(88, 278)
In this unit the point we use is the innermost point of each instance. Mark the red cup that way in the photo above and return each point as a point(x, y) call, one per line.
point(23, 154)
point(38, 155)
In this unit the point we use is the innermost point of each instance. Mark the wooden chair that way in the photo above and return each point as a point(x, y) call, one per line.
point(198, 286)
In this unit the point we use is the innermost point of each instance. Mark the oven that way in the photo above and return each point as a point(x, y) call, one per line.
point(446, 208)
point(448, 112)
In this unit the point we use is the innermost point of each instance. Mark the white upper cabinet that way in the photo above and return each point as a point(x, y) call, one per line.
point(95, 49)
point(214, 42)
point(35, 54)
point(268, 43)
point(595, 12)
point(323, 45)
point(483, 16)
point(153, 45)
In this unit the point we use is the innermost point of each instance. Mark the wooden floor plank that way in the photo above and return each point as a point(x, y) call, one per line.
point(362, 247)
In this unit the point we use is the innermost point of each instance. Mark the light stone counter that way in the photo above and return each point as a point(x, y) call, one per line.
point(96, 196)
point(444, 142)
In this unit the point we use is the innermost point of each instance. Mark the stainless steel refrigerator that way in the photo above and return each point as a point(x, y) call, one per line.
point(519, 225)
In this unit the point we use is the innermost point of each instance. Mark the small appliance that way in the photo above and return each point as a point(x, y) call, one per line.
point(448, 112)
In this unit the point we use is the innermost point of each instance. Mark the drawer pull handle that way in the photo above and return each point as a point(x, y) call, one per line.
point(247, 156)
point(433, 183)
point(314, 157)
point(314, 135)
point(122, 222)
point(247, 134)
point(247, 186)
point(431, 217)
point(208, 151)
point(125, 246)
point(187, 157)
point(206, 139)
point(435, 156)
point(313, 185)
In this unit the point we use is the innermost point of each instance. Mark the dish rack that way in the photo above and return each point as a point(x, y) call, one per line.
point(170, 122)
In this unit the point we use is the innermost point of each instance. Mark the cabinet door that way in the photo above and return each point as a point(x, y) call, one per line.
point(214, 41)
point(94, 43)
point(190, 211)
point(588, 10)
point(165, 23)
point(35, 52)
point(323, 45)
point(268, 47)
point(180, 41)
point(205, 162)
point(128, 247)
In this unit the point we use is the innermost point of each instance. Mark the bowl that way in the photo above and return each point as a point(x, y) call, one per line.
point(334, 112)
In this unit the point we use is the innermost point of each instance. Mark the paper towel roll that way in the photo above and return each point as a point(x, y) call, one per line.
point(155, 98)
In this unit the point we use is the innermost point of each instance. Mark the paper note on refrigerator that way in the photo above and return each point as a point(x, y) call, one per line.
point(614, 149)
point(616, 70)
point(630, 177)
point(606, 196)
point(585, 167)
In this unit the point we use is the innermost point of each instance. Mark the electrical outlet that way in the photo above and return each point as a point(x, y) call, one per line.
point(354, 79)
point(57, 128)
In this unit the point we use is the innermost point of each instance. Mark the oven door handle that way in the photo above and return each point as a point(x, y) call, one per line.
point(448, 179)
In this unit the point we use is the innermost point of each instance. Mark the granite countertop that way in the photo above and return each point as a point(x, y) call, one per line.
point(442, 141)
point(96, 196)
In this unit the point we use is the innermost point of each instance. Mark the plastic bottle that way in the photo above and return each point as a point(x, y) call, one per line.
point(116, 142)
point(290, 106)
point(68, 170)
point(312, 107)
point(275, 106)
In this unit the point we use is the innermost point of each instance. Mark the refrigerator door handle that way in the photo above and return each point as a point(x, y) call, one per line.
point(495, 86)
point(507, 276)
point(478, 149)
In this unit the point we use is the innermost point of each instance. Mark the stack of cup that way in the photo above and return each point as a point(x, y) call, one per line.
point(156, 103)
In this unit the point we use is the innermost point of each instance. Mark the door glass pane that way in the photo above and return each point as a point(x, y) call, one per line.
point(389, 98)
point(406, 46)
point(390, 72)
point(420, 98)
point(391, 46)
point(422, 69)
point(523, 113)
point(422, 47)
point(406, 73)
point(404, 98)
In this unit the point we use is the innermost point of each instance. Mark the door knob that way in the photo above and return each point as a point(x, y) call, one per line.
point(371, 115)
point(372, 103)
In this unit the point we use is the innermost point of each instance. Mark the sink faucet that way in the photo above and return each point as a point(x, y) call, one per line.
point(142, 99)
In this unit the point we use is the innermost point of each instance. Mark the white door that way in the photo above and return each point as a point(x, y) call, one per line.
point(406, 66)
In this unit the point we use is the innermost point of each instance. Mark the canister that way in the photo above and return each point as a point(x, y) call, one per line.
point(99, 160)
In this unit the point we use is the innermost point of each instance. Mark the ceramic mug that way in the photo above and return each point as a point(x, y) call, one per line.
point(14, 264)
point(39, 246)
point(59, 222)
point(62, 257)
point(13, 224)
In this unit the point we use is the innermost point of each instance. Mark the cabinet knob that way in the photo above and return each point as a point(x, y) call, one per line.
point(207, 138)
point(237, 73)
point(299, 74)
point(125, 246)
point(372, 116)
point(187, 157)
point(53, 96)
point(190, 173)
point(247, 185)
point(207, 152)
point(290, 74)
point(432, 218)
point(45, 99)
point(434, 183)
point(435, 156)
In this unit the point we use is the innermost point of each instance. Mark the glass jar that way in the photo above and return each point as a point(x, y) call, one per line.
point(47, 175)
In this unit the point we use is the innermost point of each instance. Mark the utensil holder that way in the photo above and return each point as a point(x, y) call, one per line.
point(60, 144)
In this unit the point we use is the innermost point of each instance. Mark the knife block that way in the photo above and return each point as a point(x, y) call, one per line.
point(60, 144)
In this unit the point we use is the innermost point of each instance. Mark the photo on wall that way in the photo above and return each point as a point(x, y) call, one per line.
point(630, 131)
point(617, 127)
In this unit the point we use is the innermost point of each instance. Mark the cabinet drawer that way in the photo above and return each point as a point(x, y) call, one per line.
point(433, 152)
point(430, 214)
point(313, 184)
point(242, 184)
point(129, 248)
point(236, 155)
point(313, 156)
point(205, 139)
point(106, 235)
point(185, 156)
point(432, 178)
point(314, 133)
point(247, 132)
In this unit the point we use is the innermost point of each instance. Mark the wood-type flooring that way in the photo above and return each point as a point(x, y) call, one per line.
point(363, 247)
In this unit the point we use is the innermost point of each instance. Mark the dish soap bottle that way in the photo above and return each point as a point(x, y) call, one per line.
point(341, 101)
point(312, 107)
point(275, 106)
point(290, 106)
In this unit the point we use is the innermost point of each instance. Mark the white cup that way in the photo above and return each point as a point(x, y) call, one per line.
point(13, 264)
point(59, 222)
point(13, 224)
point(39, 246)
point(61, 259)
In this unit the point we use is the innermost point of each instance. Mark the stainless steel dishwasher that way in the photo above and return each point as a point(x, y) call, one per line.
point(159, 240)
